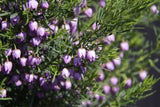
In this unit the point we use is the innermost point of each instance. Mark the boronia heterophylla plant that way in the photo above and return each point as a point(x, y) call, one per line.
point(69, 53)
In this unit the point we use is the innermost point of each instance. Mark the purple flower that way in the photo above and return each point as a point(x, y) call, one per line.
point(41, 31)
point(66, 27)
point(4, 25)
point(109, 66)
point(117, 61)
point(77, 76)
point(89, 103)
point(8, 52)
point(15, 20)
point(154, 9)
point(88, 12)
point(42, 81)
point(95, 26)
point(124, 46)
point(32, 4)
point(65, 72)
point(44, 5)
point(101, 76)
point(38, 60)
point(74, 24)
point(16, 53)
point(68, 85)
point(35, 41)
point(142, 75)
point(67, 59)
point(23, 61)
point(54, 28)
point(3, 93)
point(83, 3)
point(106, 89)
point(77, 10)
point(18, 83)
point(115, 89)
point(128, 83)
point(82, 53)
point(91, 55)
point(102, 3)
point(109, 39)
point(30, 77)
point(114, 80)
point(20, 37)
point(8, 67)
point(77, 62)
point(33, 25)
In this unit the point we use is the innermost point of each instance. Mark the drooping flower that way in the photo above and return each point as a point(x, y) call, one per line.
point(109, 66)
point(20, 37)
point(88, 12)
point(23, 61)
point(115, 89)
point(106, 89)
point(15, 20)
point(8, 52)
point(66, 27)
point(7, 67)
point(16, 53)
point(4, 25)
point(68, 85)
point(74, 24)
point(102, 3)
point(65, 72)
point(18, 83)
point(124, 46)
point(67, 59)
point(117, 61)
point(128, 83)
point(142, 74)
point(44, 5)
point(38, 60)
point(77, 61)
point(81, 53)
point(91, 55)
point(33, 25)
point(36, 41)
point(114, 80)
point(154, 9)
point(3, 93)
point(41, 31)
point(32, 4)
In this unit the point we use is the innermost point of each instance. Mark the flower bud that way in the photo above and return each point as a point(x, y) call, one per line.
point(115, 89)
point(16, 53)
point(8, 52)
point(4, 25)
point(15, 20)
point(33, 4)
point(154, 9)
point(74, 24)
point(77, 62)
point(128, 83)
point(109, 66)
point(7, 67)
point(18, 83)
point(114, 80)
point(102, 3)
point(77, 76)
point(81, 53)
point(38, 60)
point(3, 93)
point(88, 12)
point(106, 89)
point(91, 55)
point(41, 31)
point(23, 61)
point(33, 25)
point(35, 41)
point(68, 85)
point(142, 75)
point(44, 5)
point(101, 76)
point(124, 46)
point(117, 61)
point(65, 72)
point(67, 59)
point(21, 37)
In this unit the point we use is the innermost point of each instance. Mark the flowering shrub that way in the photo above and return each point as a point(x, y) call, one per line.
point(70, 53)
